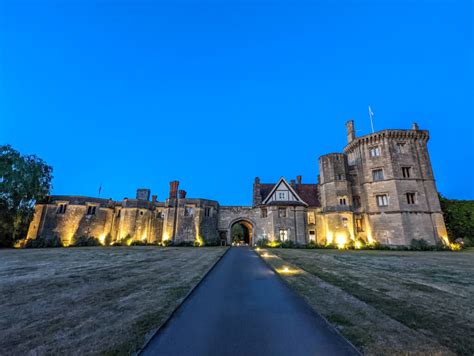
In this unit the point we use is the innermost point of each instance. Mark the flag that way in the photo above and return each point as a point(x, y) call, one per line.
point(100, 188)
point(371, 113)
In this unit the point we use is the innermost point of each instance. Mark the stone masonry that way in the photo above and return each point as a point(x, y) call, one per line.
point(380, 188)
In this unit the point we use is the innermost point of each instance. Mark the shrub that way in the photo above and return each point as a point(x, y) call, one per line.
point(166, 243)
point(127, 240)
point(262, 242)
point(274, 244)
point(117, 243)
point(44, 242)
point(289, 244)
point(419, 245)
point(212, 242)
point(138, 243)
point(86, 241)
point(108, 239)
point(312, 244)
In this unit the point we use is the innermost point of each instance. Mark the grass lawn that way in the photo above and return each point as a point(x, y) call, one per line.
point(389, 302)
point(92, 300)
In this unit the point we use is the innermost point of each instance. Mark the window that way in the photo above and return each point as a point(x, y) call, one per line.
point(118, 212)
point(264, 212)
point(282, 212)
point(411, 198)
point(207, 211)
point(141, 212)
point(61, 208)
point(342, 201)
point(282, 196)
point(359, 225)
point(406, 172)
point(159, 214)
point(356, 201)
point(377, 174)
point(374, 151)
point(312, 235)
point(401, 147)
point(283, 234)
point(91, 210)
point(344, 222)
point(311, 219)
point(188, 211)
point(382, 200)
point(340, 177)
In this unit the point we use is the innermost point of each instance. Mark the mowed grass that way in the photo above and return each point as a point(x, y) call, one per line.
point(92, 300)
point(390, 302)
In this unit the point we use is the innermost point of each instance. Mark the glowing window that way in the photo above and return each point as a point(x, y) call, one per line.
point(283, 234)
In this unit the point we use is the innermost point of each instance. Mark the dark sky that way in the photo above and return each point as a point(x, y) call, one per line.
point(213, 93)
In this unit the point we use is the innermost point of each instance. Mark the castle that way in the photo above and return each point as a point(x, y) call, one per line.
point(381, 188)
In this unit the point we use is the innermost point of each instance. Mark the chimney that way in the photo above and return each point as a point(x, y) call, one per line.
point(257, 197)
point(154, 198)
point(174, 189)
point(298, 179)
point(350, 131)
point(293, 183)
point(182, 194)
point(143, 194)
point(415, 126)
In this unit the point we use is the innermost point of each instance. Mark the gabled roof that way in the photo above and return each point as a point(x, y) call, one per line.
point(294, 199)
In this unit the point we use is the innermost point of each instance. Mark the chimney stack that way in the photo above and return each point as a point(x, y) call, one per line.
point(350, 131)
point(182, 194)
point(174, 189)
point(154, 198)
point(298, 179)
point(293, 183)
point(415, 126)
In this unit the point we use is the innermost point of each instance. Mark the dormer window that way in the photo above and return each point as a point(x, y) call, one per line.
point(374, 151)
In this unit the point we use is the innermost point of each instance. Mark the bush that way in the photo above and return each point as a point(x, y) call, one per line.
point(44, 242)
point(459, 218)
point(138, 243)
point(212, 242)
point(262, 242)
point(312, 244)
point(419, 245)
point(86, 241)
point(167, 243)
point(289, 244)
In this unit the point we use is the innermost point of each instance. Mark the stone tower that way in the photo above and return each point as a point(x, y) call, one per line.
point(394, 187)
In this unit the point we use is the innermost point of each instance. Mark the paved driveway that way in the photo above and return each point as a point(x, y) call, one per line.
point(243, 308)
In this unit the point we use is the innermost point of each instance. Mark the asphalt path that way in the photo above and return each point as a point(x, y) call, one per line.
point(242, 307)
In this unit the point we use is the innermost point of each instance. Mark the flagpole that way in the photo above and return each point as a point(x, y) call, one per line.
point(100, 188)
point(371, 114)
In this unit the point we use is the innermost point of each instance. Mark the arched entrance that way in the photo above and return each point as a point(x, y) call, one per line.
point(241, 232)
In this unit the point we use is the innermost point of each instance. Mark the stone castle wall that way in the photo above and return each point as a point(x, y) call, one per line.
point(344, 203)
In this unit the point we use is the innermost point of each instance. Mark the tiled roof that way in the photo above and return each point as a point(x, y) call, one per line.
point(307, 192)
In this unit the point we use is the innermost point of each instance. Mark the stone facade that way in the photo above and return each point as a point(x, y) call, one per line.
point(380, 188)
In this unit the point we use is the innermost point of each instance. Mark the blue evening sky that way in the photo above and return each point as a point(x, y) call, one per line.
point(136, 93)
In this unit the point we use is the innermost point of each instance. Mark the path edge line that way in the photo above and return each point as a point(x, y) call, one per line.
point(331, 326)
point(153, 332)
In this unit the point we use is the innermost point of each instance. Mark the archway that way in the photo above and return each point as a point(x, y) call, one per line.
point(241, 232)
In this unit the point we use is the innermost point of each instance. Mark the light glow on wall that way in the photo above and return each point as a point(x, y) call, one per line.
point(341, 240)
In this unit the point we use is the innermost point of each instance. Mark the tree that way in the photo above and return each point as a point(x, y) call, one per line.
point(459, 218)
point(24, 180)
